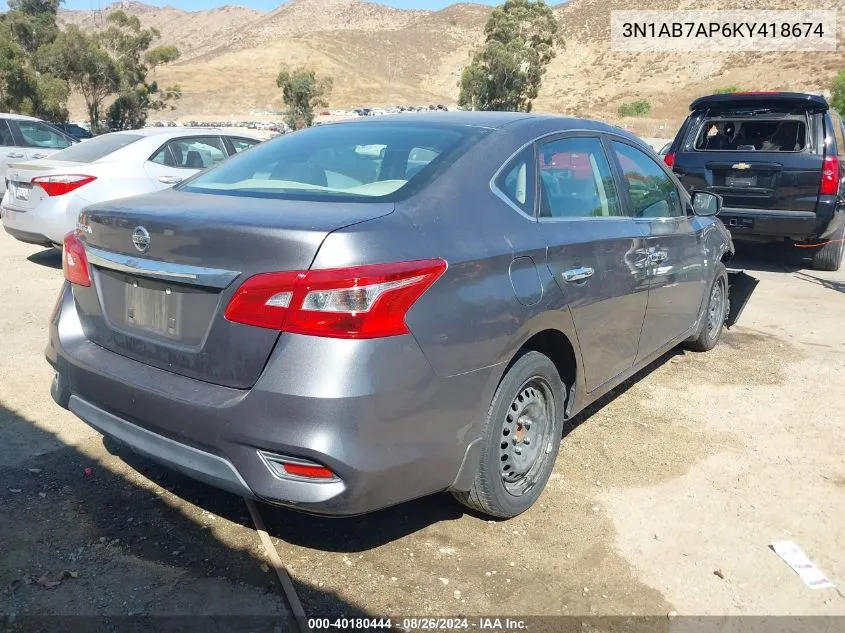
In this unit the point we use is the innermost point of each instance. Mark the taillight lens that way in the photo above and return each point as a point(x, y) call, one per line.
point(74, 261)
point(62, 184)
point(830, 176)
point(669, 159)
point(357, 302)
point(306, 470)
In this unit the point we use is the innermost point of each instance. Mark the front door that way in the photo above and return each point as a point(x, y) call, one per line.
point(595, 251)
point(677, 262)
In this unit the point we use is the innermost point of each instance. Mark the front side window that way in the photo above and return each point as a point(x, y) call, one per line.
point(37, 134)
point(653, 193)
point(6, 139)
point(354, 161)
point(240, 144)
point(196, 153)
point(576, 181)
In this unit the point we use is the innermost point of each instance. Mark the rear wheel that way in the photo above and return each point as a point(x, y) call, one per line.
point(521, 439)
point(829, 256)
point(715, 313)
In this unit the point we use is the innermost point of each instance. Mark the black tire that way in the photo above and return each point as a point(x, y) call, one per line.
point(500, 488)
point(829, 256)
point(714, 314)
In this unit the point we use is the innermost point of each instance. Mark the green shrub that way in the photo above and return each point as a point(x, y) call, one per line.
point(635, 108)
point(727, 90)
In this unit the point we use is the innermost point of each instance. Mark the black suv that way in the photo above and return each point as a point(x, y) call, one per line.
point(777, 159)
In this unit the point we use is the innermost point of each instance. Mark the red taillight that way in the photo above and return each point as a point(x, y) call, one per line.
point(60, 185)
point(669, 159)
point(74, 261)
point(830, 176)
point(358, 302)
point(304, 470)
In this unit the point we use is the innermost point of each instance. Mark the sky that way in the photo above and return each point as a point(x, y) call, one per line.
point(264, 5)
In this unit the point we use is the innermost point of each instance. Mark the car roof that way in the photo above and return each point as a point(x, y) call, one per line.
point(751, 99)
point(164, 132)
point(19, 117)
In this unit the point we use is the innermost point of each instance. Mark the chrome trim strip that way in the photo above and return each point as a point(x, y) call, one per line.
point(214, 277)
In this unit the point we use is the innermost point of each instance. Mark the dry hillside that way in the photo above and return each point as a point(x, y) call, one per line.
point(379, 55)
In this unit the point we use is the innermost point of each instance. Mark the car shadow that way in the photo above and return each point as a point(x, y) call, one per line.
point(838, 286)
point(49, 257)
point(773, 258)
point(64, 509)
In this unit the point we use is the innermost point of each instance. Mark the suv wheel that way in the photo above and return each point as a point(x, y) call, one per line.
point(521, 438)
point(829, 256)
point(715, 312)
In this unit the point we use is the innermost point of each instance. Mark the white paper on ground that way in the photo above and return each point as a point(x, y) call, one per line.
point(795, 558)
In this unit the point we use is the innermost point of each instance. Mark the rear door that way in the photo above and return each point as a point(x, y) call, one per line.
point(596, 252)
point(181, 158)
point(676, 263)
point(764, 159)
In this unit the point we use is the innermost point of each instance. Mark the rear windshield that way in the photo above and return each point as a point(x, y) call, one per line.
point(354, 161)
point(95, 148)
point(757, 135)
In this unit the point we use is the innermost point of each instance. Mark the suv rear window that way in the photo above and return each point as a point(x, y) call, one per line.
point(757, 135)
point(95, 148)
point(354, 161)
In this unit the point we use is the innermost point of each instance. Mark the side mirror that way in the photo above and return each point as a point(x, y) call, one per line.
point(706, 204)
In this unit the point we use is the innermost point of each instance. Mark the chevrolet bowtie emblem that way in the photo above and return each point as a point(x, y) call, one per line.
point(742, 166)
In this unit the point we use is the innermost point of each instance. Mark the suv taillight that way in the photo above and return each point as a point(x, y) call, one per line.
point(74, 261)
point(669, 159)
point(357, 302)
point(830, 176)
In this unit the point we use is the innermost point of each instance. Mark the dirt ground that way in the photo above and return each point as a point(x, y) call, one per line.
point(694, 466)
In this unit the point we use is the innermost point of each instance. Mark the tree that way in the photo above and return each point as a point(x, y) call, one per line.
point(129, 45)
point(506, 73)
point(26, 85)
point(302, 91)
point(837, 92)
point(79, 59)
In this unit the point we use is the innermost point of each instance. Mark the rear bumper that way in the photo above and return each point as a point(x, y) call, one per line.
point(782, 224)
point(372, 411)
point(48, 221)
point(26, 236)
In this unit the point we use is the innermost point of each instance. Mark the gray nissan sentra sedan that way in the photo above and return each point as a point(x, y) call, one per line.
point(363, 313)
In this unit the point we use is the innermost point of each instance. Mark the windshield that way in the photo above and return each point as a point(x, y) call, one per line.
point(352, 161)
point(95, 148)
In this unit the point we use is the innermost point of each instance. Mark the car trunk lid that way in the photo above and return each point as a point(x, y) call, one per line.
point(165, 265)
point(23, 194)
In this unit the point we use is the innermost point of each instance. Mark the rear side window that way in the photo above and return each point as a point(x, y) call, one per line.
point(197, 153)
point(516, 181)
point(37, 134)
point(752, 135)
point(837, 132)
point(653, 193)
point(240, 144)
point(576, 181)
point(354, 161)
point(96, 148)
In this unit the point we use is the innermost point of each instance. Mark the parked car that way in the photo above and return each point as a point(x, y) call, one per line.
point(777, 159)
point(319, 325)
point(45, 196)
point(25, 138)
point(72, 129)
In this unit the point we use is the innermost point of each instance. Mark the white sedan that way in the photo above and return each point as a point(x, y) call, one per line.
point(43, 197)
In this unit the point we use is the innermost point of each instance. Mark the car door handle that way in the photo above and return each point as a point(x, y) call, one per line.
point(169, 180)
point(14, 155)
point(655, 256)
point(577, 274)
point(39, 155)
